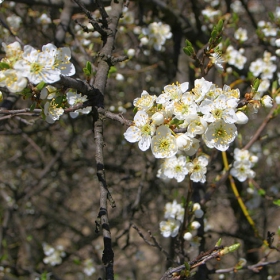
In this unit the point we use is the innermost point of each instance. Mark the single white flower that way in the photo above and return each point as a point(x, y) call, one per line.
point(145, 102)
point(241, 170)
point(12, 80)
point(219, 135)
point(170, 227)
point(74, 98)
point(241, 34)
point(37, 66)
point(197, 126)
point(172, 93)
point(174, 210)
point(220, 108)
point(157, 33)
point(164, 143)
point(52, 111)
point(175, 168)
point(62, 58)
point(198, 169)
point(201, 88)
point(141, 131)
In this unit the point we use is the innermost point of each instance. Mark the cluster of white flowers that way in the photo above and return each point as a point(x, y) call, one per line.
point(264, 67)
point(178, 167)
point(174, 213)
point(89, 268)
point(74, 98)
point(243, 162)
point(235, 57)
point(206, 112)
point(53, 255)
point(155, 35)
point(53, 111)
point(36, 66)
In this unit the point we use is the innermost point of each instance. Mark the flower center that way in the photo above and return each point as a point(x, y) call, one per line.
point(36, 68)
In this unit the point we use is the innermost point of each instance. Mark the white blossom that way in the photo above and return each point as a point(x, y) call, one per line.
point(170, 227)
point(37, 66)
point(164, 143)
point(220, 134)
point(141, 131)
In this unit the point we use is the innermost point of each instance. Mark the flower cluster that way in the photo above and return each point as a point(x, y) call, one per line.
point(53, 106)
point(178, 167)
point(264, 67)
point(243, 162)
point(205, 112)
point(53, 255)
point(36, 66)
point(190, 234)
point(235, 57)
point(155, 35)
point(174, 213)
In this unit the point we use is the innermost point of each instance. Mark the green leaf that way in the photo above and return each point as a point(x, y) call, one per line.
point(214, 33)
point(187, 266)
point(188, 51)
point(176, 122)
point(271, 16)
point(256, 85)
point(41, 85)
point(277, 202)
point(261, 192)
point(112, 70)
point(86, 72)
point(188, 43)
point(59, 100)
point(219, 242)
point(220, 25)
point(32, 107)
point(89, 67)
point(77, 261)
point(4, 66)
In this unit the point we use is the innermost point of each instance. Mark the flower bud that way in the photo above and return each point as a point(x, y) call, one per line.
point(267, 101)
point(195, 225)
point(131, 52)
point(188, 236)
point(158, 118)
point(144, 41)
point(183, 142)
point(241, 118)
point(198, 213)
